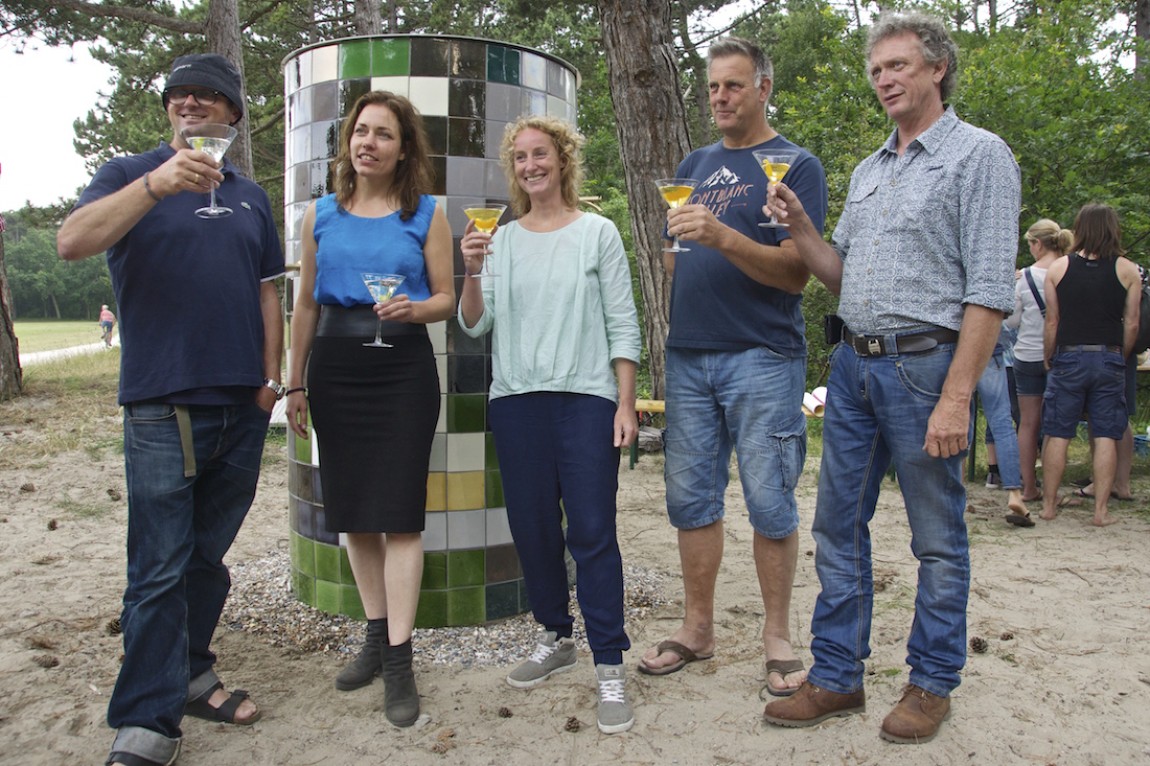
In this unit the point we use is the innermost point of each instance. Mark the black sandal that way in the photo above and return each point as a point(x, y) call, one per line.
point(225, 713)
point(131, 759)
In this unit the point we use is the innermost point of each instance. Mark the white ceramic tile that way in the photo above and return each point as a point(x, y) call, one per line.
point(438, 459)
point(437, 332)
point(466, 529)
point(429, 95)
point(435, 532)
point(325, 63)
point(465, 452)
point(397, 85)
point(498, 530)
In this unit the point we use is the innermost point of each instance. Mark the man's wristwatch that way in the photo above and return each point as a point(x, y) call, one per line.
point(277, 387)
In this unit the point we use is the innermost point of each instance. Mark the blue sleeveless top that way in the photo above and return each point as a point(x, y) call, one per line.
point(348, 245)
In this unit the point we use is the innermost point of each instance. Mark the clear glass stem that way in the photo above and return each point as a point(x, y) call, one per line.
point(213, 197)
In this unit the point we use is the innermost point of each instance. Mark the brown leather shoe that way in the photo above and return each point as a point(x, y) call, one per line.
point(916, 717)
point(810, 705)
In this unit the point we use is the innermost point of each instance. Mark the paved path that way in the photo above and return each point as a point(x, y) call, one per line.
point(39, 357)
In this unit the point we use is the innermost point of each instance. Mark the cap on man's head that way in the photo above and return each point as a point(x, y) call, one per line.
point(207, 70)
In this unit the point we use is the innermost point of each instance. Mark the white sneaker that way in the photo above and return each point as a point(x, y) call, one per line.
point(551, 656)
point(615, 713)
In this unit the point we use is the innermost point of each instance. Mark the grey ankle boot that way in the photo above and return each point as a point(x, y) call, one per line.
point(400, 697)
point(369, 663)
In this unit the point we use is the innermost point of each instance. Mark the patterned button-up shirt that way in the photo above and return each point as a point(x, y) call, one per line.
point(923, 234)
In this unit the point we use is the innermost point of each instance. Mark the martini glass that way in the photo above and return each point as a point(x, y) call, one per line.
point(676, 192)
point(381, 287)
point(775, 163)
point(213, 139)
point(486, 218)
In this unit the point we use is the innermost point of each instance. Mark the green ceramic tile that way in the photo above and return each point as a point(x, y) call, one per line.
point(493, 489)
point(355, 59)
point(490, 459)
point(304, 588)
point(511, 66)
point(466, 606)
point(347, 577)
point(390, 57)
point(432, 611)
point(352, 606)
point(502, 600)
point(434, 571)
point(304, 555)
point(302, 449)
point(327, 563)
point(465, 568)
point(327, 596)
point(465, 413)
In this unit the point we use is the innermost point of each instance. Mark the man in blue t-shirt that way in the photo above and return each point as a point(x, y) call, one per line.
point(736, 364)
point(202, 336)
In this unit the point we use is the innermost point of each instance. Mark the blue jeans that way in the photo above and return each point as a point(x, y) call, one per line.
point(877, 412)
point(994, 393)
point(749, 401)
point(558, 448)
point(179, 529)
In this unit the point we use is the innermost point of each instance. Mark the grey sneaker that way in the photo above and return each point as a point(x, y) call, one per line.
point(551, 656)
point(615, 714)
point(993, 480)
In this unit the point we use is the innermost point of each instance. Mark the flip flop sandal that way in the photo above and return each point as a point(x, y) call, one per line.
point(225, 713)
point(686, 657)
point(1019, 519)
point(784, 668)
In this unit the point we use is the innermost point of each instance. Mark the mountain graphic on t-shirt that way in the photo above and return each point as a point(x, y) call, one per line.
point(724, 176)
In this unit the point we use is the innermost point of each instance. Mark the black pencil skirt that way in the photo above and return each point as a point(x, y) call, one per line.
point(374, 411)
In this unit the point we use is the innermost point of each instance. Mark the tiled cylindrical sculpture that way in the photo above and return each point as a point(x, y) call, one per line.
point(467, 90)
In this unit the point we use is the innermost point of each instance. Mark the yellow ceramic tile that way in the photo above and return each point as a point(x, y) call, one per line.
point(436, 491)
point(464, 490)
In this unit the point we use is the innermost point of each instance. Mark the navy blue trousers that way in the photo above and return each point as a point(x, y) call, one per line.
point(556, 448)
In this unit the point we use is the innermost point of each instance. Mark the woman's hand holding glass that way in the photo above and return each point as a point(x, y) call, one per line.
point(475, 247)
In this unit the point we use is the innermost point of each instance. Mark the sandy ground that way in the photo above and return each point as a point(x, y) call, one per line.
point(1064, 609)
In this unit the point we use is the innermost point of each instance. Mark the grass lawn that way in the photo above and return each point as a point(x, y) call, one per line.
point(50, 334)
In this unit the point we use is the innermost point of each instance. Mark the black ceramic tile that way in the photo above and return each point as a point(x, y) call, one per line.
point(459, 342)
point(350, 91)
point(429, 57)
point(502, 564)
point(436, 129)
point(321, 181)
point(465, 137)
point(555, 82)
point(466, 373)
point(469, 59)
point(466, 98)
point(439, 168)
point(502, 600)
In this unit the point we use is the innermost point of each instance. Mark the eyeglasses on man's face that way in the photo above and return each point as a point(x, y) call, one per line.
point(204, 96)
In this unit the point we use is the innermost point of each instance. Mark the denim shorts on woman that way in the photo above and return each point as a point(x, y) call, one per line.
point(750, 401)
point(1093, 382)
point(1029, 378)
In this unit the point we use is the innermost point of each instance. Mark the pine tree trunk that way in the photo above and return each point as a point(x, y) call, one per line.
point(11, 376)
point(650, 122)
point(223, 37)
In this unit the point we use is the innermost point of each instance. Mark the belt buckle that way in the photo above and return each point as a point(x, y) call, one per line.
point(874, 346)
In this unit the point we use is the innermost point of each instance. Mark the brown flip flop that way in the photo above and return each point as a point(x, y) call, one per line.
point(686, 657)
point(783, 668)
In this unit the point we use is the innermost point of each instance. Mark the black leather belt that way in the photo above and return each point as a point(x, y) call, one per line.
point(360, 321)
point(1090, 347)
point(910, 343)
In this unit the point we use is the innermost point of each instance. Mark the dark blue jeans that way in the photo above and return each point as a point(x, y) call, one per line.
point(557, 447)
point(179, 529)
point(876, 416)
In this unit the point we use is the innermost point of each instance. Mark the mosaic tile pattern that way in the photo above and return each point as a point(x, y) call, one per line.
point(467, 91)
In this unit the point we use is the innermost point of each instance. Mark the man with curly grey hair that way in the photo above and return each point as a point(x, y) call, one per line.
point(923, 261)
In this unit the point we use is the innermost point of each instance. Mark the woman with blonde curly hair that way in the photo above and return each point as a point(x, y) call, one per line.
point(565, 348)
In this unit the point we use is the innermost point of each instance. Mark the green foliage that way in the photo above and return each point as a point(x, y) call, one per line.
point(42, 285)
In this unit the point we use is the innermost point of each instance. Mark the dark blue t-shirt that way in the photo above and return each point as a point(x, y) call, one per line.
point(714, 305)
point(188, 289)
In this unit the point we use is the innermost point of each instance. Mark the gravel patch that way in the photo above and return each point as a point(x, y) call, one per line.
point(262, 603)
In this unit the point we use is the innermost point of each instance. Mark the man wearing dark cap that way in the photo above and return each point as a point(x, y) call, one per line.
point(202, 337)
